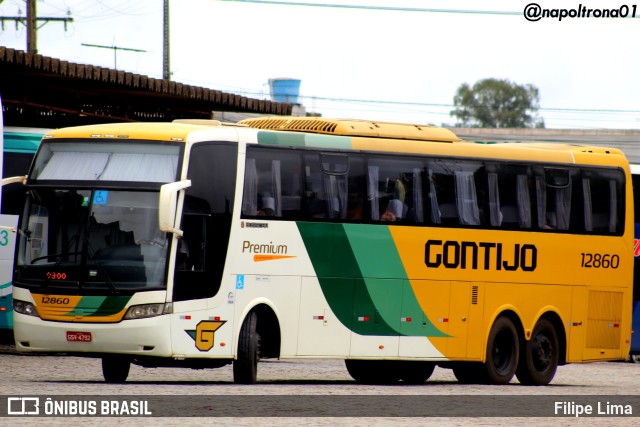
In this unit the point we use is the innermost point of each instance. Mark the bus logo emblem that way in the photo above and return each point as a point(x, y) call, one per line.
point(205, 333)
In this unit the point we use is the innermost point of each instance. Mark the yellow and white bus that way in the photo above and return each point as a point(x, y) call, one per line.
point(397, 248)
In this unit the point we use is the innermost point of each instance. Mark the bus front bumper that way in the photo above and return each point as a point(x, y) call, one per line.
point(148, 337)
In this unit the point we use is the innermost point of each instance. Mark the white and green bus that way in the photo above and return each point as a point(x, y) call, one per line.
point(17, 148)
point(396, 248)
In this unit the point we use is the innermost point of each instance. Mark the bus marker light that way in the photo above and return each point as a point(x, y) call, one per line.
point(222, 344)
point(363, 318)
point(406, 319)
point(443, 319)
point(216, 318)
point(318, 317)
point(614, 325)
point(187, 317)
point(381, 347)
point(3, 308)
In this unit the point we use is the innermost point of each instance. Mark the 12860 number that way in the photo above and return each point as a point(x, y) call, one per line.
point(600, 260)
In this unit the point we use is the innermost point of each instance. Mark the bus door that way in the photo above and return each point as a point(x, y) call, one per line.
point(465, 321)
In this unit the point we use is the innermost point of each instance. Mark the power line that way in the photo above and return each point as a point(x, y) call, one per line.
point(31, 21)
point(379, 8)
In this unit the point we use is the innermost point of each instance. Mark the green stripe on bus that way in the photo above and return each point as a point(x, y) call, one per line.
point(293, 139)
point(285, 138)
point(112, 305)
point(99, 305)
point(392, 295)
point(6, 285)
point(340, 278)
point(363, 279)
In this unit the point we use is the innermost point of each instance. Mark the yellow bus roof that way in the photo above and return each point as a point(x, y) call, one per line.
point(163, 131)
point(362, 134)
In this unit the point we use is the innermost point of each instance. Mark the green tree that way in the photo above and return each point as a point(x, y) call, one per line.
point(497, 103)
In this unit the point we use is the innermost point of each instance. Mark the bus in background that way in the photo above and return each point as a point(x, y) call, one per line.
point(18, 148)
point(635, 337)
point(397, 248)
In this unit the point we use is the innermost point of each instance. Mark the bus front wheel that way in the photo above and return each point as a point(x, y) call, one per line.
point(115, 370)
point(539, 361)
point(245, 367)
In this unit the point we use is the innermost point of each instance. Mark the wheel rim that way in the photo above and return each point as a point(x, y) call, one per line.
point(542, 350)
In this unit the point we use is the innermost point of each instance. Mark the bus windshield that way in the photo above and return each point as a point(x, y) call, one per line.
point(75, 239)
point(102, 161)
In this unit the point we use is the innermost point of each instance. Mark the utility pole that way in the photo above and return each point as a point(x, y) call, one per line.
point(31, 21)
point(166, 72)
point(32, 36)
point(115, 51)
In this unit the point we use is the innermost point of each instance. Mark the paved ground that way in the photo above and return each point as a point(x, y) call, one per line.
point(24, 375)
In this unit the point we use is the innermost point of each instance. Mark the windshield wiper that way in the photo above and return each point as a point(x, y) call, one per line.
point(107, 279)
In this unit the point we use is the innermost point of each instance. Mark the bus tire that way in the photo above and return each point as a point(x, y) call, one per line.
point(415, 372)
point(539, 359)
point(373, 371)
point(470, 373)
point(115, 370)
point(503, 351)
point(245, 366)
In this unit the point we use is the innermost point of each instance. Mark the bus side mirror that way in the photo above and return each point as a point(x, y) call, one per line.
point(168, 204)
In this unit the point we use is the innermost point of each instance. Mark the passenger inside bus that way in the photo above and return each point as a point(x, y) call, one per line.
point(396, 208)
point(266, 205)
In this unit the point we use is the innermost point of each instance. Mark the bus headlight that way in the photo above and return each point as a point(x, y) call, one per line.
point(147, 310)
point(24, 307)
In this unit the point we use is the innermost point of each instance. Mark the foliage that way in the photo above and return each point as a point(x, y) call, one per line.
point(497, 103)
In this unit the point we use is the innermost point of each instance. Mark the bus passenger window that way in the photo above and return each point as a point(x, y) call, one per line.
point(601, 201)
point(466, 198)
point(553, 193)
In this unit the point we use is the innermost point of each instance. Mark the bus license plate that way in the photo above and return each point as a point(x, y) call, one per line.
point(79, 336)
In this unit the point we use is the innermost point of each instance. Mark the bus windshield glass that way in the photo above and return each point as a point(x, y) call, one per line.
point(105, 161)
point(74, 239)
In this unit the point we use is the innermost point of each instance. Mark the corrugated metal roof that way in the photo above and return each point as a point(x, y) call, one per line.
point(48, 92)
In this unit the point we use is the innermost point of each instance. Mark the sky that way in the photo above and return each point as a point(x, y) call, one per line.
point(384, 60)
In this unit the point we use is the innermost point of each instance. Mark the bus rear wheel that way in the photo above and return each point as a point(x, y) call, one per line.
point(245, 367)
point(115, 370)
point(539, 360)
point(502, 351)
